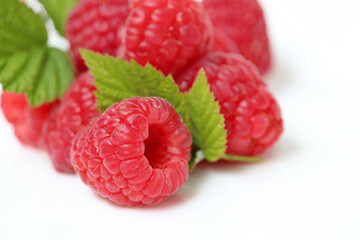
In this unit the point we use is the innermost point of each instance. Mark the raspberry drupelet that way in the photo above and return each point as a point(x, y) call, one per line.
point(135, 153)
point(252, 115)
point(75, 110)
point(168, 34)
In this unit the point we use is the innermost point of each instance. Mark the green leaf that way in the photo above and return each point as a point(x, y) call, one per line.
point(117, 79)
point(59, 11)
point(207, 123)
point(42, 73)
point(20, 28)
point(27, 65)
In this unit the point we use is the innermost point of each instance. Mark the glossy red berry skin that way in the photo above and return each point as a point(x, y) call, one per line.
point(243, 22)
point(135, 153)
point(93, 24)
point(168, 34)
point(27, 121)
point(75, 110)
point(252, 115)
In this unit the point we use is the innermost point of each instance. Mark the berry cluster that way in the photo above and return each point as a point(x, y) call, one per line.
point(137, 151)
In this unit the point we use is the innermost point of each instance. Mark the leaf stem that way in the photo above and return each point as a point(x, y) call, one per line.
point(197, 157)
point(236, 158)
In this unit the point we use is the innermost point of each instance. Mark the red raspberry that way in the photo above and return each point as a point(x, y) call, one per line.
point(243, 21)
point(28, 122)
point(93, 24)
point(168, 34)
point(14, 107)
point(252, 116)
point(76, 109)
point(223, 43)
point(135, 153)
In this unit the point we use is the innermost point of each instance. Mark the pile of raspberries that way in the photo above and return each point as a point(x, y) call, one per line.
point(137, 151)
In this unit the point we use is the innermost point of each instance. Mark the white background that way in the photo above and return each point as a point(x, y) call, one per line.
point(307, 189)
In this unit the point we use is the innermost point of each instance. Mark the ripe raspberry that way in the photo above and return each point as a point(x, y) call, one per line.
point(76, 109)
point(243, 21)
point(28, 122)
point(135, 153)
point(93, 24)
point(252, 116)
point(14, 107)
point(223, 43)
point(168, 34)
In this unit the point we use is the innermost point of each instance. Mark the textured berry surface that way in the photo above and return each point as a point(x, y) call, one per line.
point(75, 110)
point(168, 34)
point(135, 153)
point(223, 43)
point(28, 122)
point(93, 24)
point(243, 21)
point(252, 116)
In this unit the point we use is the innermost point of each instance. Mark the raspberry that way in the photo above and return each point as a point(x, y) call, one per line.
point(93, 24)
point(135, 153)
point(243, 21)
point(14, 107)
point(252, 116)
point(28, 122)
point(223, 43)
point(168, 34)
point(76, 109)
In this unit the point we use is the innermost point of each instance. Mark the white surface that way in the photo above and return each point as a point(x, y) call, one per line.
point(307, 189)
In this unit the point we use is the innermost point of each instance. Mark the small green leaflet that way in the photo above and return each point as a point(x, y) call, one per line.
point(207, 123)
point(59, 10)
point(20, 28)
point(27, 65)
point(117, 79)
point(42, 73)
